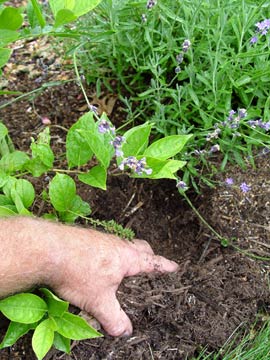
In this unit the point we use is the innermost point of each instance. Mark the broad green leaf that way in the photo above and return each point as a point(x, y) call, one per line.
point(4, 200)
point(25, 190)
point(6, 212)
point(62, 191)
point(42, 154)
point(136, 140)
point(77, 208)
point(78, 7)
point(56, 306)
point(14, 332)
point(13, 162)
point(11, 18)
point(4, 56)
point(64, 16)
point(167, 147)
point(3, 178)
point(23, 308)
point(75, 328)
point(169, 169)
point(3, 128)
point(7, 36)
point(43, 336)
point(36, 167)
point(61, 343)
point(96, 177)
point(101, 150)
point(78, 151)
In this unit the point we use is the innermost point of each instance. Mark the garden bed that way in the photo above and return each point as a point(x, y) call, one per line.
point(217, 292)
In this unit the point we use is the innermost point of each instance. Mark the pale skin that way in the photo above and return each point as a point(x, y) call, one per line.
point(82, 266)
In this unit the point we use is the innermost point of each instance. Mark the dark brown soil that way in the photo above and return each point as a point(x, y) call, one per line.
point(217, 290)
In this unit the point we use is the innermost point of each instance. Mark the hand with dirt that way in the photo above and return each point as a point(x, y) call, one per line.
point(85, 267)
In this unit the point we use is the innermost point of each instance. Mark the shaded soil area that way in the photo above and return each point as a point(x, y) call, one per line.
point(217, 291)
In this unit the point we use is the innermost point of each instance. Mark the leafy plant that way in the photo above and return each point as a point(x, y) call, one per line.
point(91, 148)
point(189, 65)
point(63, 12)
point(48, 317)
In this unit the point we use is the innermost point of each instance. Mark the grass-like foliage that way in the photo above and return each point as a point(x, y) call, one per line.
point(253, 346)
point(186, 89)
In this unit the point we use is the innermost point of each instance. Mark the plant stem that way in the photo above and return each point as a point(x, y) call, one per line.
point(68, 171)
point(41, 88)
point(201, 217)
point(38, 13)
point(221, 238)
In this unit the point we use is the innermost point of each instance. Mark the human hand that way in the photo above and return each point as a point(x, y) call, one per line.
point(92, 265)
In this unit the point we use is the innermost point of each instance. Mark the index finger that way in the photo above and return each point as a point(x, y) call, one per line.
point(147, 263)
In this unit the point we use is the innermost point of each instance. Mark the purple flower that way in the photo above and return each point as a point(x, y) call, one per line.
point(117, 143)
point(263, 26)
point(214, 148)
point(144, 18)
point(245, 187)
point(254, 39)
point(150, 4)
point(229, 181)
point(177, 70)
point(186, 45)
point(242, 113)
point(181, 185)
point(104, 126)
point(93, 108)
point(138, 166)
point(179, 58)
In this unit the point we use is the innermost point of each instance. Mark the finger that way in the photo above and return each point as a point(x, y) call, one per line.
point(142, 246)
point(146, 263)
point(111, 316)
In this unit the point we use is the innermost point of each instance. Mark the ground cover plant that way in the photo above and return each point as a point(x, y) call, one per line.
point(94, 146)
point(190, 67)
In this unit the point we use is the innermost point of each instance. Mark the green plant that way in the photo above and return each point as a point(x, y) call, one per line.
point(48, 317)
point(184, 89)
point(91, 147)
point(39, 21)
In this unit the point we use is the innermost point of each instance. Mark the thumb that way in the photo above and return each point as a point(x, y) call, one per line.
point(111, 316)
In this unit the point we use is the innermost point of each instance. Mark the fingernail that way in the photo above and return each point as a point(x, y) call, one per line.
point(126, 334)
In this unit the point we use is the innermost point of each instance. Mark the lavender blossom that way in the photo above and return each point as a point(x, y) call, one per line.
point(117, 144)
point(214, 148)
point(93, 108)
point(181, 185)
point(144, 18)
point(229, 181)
point(150, 4)
point(254, 40)
point(179, 58)
point(104, 126)
point(245, 187)
point(259, 123)
point(263, 26)
point(138, 166)
point(186, 45)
